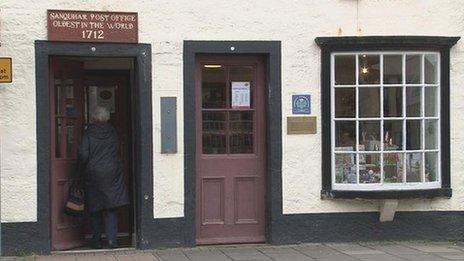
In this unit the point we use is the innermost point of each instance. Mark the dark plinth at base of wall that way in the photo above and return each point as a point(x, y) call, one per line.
point(20, 239)
point(26, 238)
point(349, 227)
point(163, 233)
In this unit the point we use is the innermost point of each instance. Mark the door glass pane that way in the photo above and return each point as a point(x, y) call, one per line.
point(413, 69)
point(345, 102)
point(369, 168)
point(369, 102)
point(241, 132)
point(345, 168)
point(58, 103)
point(242, 74)
point(413, 134)
point(431, 101)
point(58, 133)
point(431, 65)
point(413, 101)
point(214, 132)
point(369, 69)
point(392, 69)
point(393, 167)
point(393, 102)
point(213, 86)
point(393, 135)
point(431, 166)
point(369, 135)
point(431, 134)
point(70, 143)
point(413, 167)
point(345, 135)
point(345, 69)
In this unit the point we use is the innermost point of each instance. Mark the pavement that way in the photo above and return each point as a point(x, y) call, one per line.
point(378, 251)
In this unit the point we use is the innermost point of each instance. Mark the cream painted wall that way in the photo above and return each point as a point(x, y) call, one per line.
point(165, 24)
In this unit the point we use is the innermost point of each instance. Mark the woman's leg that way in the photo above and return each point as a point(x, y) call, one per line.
point(96, 223)
point(111, 227)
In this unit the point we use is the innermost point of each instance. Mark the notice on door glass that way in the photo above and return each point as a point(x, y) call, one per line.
point(240, 94)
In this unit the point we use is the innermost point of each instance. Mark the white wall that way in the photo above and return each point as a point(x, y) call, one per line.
point(165, 24)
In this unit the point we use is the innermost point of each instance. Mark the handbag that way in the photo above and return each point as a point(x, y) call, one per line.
point(75, 204)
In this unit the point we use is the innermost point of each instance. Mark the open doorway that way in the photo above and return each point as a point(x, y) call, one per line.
point(76, 86)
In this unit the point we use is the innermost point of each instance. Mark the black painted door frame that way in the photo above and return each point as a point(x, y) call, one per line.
point(271, 51)
point(142, 133)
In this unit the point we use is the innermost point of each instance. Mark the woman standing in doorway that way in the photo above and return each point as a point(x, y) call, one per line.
point(101, 166)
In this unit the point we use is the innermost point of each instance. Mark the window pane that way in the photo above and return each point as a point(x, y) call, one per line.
point(213, 87)
point(431, 166)
point(214, 132)
point(392, 69)
point(431, 134)
point(413, 167)
point(70, 144)
point(345, 102)
point(345, 168)
point(345, 135)
point(393, 167)
point(242, 74)
point(369, 69)
point(413, 134)
point(393, 135)
point(413, 101)
point(241, 132)
point(369, 102)
point(369, 135)
point(59, 122)
point(393, 102)
point(413, 69)
point(431, 101)
point(369, 168)
point(430, 67)
point(345, 69)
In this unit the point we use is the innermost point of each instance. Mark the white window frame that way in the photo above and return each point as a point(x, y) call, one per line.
point(388, 186)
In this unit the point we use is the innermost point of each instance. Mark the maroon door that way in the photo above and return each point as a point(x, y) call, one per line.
point(230, 157)
point(66, 93)
point(111, 90)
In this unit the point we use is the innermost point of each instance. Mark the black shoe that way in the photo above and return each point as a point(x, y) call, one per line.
point(96, 245)
point(112, 245)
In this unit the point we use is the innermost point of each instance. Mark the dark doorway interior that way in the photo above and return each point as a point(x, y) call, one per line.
point(77, 85)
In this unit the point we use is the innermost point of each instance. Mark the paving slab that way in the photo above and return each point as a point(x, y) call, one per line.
point(429, 248)
point(242, 254)
point(319, 251)
point(421, 257)
point(56, 258)
point(171, 255)
point(451, 256)
point(100, 257)
point(137, 257)
point(377, 257)
point(395, 249)
point(206, 255)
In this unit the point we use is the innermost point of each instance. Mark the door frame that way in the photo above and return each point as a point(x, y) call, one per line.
point(141, 132)
point(271, 50)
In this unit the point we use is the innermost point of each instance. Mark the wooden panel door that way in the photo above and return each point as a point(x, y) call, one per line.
point(66, 115)
point(230, 157)
point(111, 90)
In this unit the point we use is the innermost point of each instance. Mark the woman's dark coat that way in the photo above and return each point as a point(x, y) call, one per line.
point(100, 164)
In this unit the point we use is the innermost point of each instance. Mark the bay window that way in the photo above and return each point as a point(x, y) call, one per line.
point(385, 116)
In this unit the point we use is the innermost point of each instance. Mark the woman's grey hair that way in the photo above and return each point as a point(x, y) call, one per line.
point(100, 114)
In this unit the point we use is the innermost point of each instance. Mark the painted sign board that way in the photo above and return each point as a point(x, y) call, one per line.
point(301, 104)
point(301, 125)
point(6, 70)
point(91, 26)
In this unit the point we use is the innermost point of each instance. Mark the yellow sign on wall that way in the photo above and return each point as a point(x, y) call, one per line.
point(6, 70)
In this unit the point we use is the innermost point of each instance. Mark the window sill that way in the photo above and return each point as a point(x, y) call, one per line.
point(387, 194)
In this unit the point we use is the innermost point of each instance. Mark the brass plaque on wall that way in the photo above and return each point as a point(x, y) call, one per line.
point(301, 125)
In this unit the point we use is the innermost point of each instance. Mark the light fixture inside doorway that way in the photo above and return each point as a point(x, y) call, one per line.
point(213, 66)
